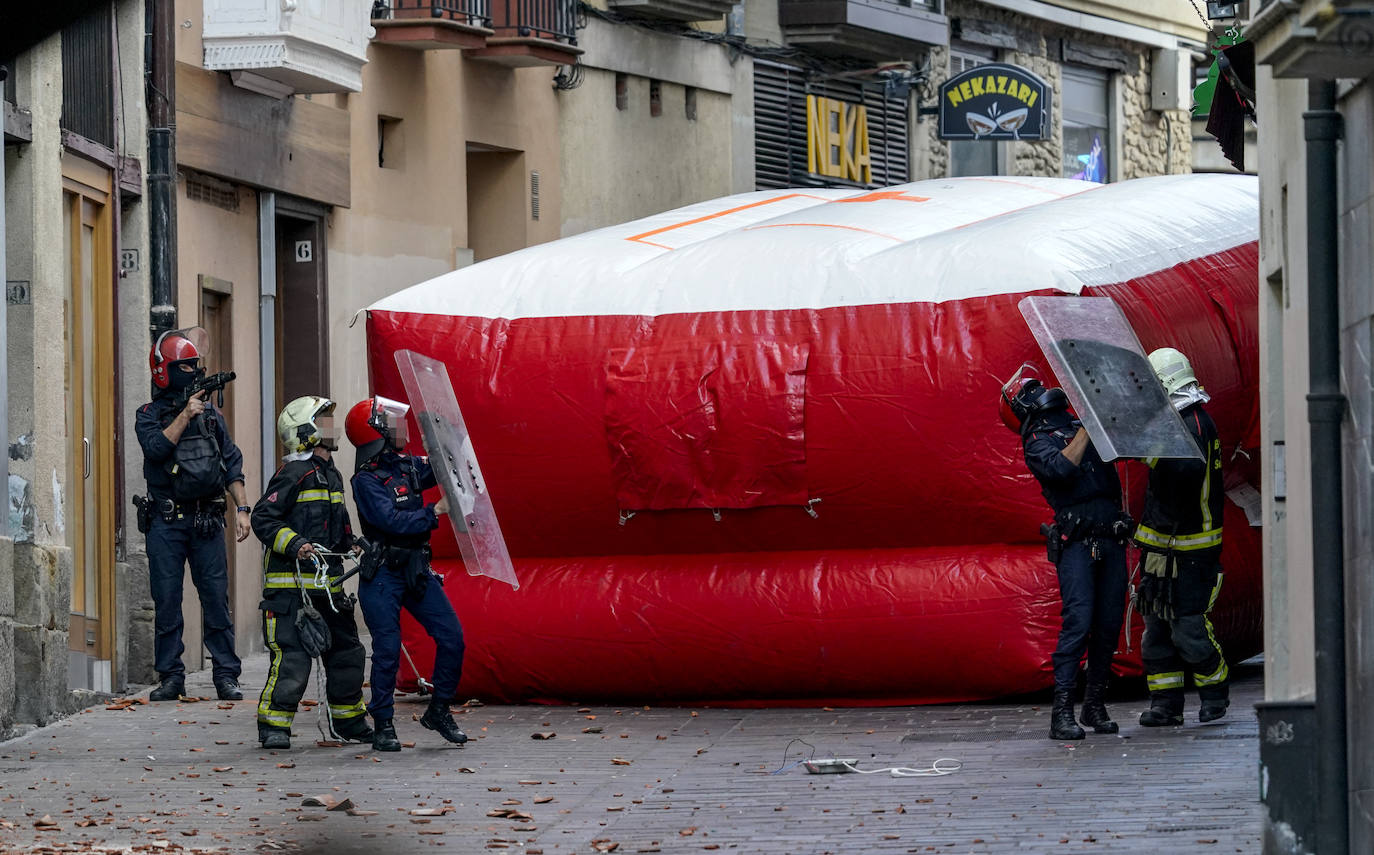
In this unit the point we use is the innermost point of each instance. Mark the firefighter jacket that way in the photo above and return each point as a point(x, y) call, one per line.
point(1184, 499)
point(1089, 493)
point(389, 491)
point(303, 502)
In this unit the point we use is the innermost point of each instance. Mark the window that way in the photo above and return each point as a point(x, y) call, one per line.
point(390, 144)
point(655, 98)
point(622, 90)
point(971, 157)
point(690, 103)
point(1087, 124)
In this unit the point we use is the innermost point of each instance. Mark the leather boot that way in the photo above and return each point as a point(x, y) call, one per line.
point(1164, 711)
point(1212, 709)
point(274, 738)
point(1094, 712)
point(384, 736)
point(353, 729)
point(172, 689)
point(1062, 724)
point(228, 689)
point(438, 718)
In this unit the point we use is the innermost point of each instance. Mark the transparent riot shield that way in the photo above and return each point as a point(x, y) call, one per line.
point(1093, 351)
point(454, 461)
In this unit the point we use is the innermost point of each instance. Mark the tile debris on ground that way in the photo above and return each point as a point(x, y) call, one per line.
point(190, 778)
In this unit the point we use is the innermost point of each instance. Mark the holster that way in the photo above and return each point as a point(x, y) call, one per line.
point(412, 563)
point(370, 560)
point(144, 514)
point(1054, 543)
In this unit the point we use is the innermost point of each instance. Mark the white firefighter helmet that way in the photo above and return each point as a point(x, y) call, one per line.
point(299, 427)
point(1172, 368)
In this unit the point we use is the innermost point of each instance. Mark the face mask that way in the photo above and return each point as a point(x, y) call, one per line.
point(178, 379)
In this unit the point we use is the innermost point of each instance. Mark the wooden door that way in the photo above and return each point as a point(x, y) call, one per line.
point(90, 431)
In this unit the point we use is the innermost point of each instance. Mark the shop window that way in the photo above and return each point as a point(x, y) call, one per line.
point(1087, 123)
point(972, 157)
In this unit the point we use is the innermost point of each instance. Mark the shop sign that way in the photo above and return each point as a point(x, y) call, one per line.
point(994, 102)
point(837, 139)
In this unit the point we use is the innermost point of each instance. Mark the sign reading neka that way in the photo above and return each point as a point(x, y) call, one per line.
point(837, 139)
point(994, 102)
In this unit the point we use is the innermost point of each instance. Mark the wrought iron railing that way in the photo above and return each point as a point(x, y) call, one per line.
point(474, 12)
point(555, 20)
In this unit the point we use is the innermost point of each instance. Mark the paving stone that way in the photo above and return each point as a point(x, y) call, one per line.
point(725, 778)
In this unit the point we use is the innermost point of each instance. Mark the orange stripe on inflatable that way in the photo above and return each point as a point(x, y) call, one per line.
point(640, 238)
point(825, 226)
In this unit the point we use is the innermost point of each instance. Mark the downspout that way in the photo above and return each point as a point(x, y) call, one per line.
point(4, 344)
point(162, 181)
point(1325, 410)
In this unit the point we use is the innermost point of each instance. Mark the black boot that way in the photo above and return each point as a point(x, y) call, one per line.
point(1094, 712)
point(1062, 724)
point(354, 729)
point(438, 718)
point(274, 738)
point(1165, 711)
point(228, 689)
point(172, 689)
point(1212, 709)
point(384, 737)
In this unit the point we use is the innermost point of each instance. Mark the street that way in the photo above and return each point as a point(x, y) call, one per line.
point(189, 777)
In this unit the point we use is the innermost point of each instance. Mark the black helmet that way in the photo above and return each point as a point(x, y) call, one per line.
point(1024, 397)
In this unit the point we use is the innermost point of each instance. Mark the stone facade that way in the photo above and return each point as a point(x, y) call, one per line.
point(1147, 142)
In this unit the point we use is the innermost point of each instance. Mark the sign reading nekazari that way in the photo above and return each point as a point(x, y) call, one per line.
point(994, 102)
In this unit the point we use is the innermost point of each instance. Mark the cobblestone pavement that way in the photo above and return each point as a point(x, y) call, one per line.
point(190, 777)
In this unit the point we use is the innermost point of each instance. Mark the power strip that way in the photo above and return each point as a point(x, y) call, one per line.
point(833, 766)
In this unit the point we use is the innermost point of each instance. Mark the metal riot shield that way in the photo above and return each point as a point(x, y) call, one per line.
point(1092, 349)
point(451, 455)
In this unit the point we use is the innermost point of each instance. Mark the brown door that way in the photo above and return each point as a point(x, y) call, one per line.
point(89, 509)
point(302, 320)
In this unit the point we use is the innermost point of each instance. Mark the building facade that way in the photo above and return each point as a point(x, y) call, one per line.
point(1316, 119)
point(74, 610)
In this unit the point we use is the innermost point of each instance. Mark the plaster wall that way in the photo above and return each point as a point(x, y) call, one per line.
point(213, 241)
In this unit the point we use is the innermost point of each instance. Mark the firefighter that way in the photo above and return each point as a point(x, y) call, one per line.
point(1086, 543)
point(189, 462)
point(388, 488)
point(1180, 560)
point(304, 608)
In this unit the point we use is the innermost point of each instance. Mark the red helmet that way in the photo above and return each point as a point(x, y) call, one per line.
point(358, 424)
point(171, 347)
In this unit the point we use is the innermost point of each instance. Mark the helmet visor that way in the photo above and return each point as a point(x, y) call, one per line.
point(389, 418)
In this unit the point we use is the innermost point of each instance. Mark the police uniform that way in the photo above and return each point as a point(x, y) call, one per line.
point(388, 490)
point(304, 502)
point(1180, 542)
point(187, 531)
point(1091, 564)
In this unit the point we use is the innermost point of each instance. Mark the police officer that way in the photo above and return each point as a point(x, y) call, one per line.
point(1086, 543)
point(388, 489)
point(300, 515)
point(189, 461)
point(1180, 548)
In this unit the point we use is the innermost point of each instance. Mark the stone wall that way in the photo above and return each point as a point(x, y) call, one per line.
point(1150, 142)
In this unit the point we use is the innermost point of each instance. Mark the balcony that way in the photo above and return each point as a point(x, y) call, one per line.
point(531, 32)
point(685, 11)
point(872, 30)
point(1314, 40)
point(282, 47)
point(432, 24)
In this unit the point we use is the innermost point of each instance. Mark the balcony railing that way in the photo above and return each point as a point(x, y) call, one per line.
point(476, 13)
point(553, 20)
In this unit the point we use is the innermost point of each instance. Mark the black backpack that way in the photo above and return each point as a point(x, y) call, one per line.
point(197, 468)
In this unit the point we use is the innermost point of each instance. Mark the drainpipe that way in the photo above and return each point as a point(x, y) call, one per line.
point(1325, 410)
point(4, 347)
point(162, 171)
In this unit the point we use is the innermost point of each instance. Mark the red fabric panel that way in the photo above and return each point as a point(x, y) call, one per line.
point(703, 424)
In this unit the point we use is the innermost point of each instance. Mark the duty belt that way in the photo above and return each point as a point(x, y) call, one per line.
point(173, 508)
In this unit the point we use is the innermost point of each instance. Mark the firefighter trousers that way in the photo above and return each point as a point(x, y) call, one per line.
point(288, 671)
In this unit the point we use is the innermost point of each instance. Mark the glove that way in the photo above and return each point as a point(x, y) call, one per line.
point(312, 631)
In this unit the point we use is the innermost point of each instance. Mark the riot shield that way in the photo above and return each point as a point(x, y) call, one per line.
point(454, 461)
point(1092, 349)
